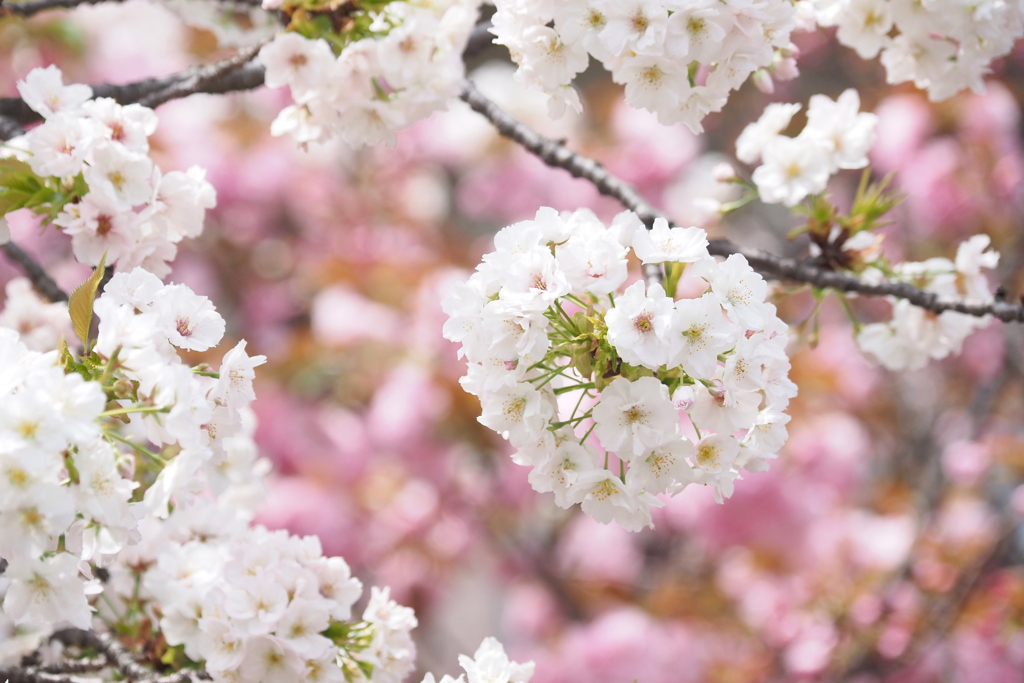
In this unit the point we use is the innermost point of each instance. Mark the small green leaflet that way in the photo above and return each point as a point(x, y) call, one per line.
point(80, 303)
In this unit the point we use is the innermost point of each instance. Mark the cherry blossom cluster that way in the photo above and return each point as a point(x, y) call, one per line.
point(39, 323)
point(614, 397)
point(69, 428)
point(941, 46)
point(915, 335)
point(408, 68)
point(127, 459)
point(92, 159)
point(234, 23)
point(255, 605)
point(836, 136)
point(677, 59)
point(489, 663)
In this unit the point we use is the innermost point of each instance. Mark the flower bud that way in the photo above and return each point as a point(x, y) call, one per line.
point(724, 173)
point(785, 69)
point(123, 388)
point(763, 81)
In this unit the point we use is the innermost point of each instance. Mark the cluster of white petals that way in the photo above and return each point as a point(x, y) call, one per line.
point(132, 211)
point(255, 605)
point(233, 24)
point(376, 85)
point(837, 136)
point(67, 495)
point(40, 323)
point(127, 463)
point(489, 664)
point(915, 335)
point(678, 59)
point(614, 397)
point(943, 46)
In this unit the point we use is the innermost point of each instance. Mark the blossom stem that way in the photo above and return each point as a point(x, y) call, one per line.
point(559, 425)
point(563, 390)
point(108, 370)
point(135, 409)
point(588, 434)
point(849, 312)
point(548, 376)
point(145, 451)
point(576, 300)
point(578, 403)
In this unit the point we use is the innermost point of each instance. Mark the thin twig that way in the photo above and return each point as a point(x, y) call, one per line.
point(35, 674)
point(228, 75)
point(76, 666)
point(114, 655)
point(555, 153)
point(9, 128)
point(31, 7)
point(233, 74)
point(39, 278)
point(107, 645)
point(27, 9)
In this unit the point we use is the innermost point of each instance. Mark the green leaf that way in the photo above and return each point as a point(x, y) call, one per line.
point(12, 200)
point(80, 303)
point(23, 181)
point(14, 165)
point(43, 196)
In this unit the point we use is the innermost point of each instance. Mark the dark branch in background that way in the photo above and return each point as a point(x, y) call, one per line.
point(40, 280)
point(556, 154)
point(9, 128)
point(229, 75)
point(30, 7)
point(27, 9)
point(112, 653)
point(235, 73)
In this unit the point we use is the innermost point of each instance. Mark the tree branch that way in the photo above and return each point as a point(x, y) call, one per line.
point(228, 75)
point(107, 645)
point(112, 655)
point(36, 674)
point(40, 280)
point(30, 7)
point(9, 128)
point(554, 153)
point(27, 9)
point(233, 74)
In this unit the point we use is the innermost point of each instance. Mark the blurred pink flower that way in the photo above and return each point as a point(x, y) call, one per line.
point(904, 123)
point(404, 406)
point(531, 613)
point(966, 462)
point(342, 316)
point(306, 508)
point(599, 552)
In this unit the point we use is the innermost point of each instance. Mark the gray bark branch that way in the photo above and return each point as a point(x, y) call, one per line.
point(554, 153)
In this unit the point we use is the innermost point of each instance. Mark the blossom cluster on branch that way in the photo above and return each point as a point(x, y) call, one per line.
point(405, 64)
point(942, 47)
point(681, 389)
point(125, 463)
point(914, 336)
point(678, 59)
point(87, 170)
